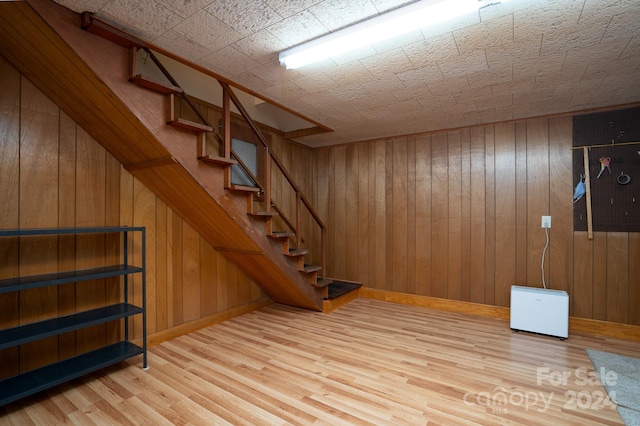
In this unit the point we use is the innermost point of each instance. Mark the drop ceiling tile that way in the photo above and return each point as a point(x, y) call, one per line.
point(251, 81)
point(619, 84)
point(632, 49)
point(522, 85)
point(507, 53)
point(448, 86)
point(379, 113)
point(151, 18)
point(480, 117)
point(551, 79)
point(284, 92)
point(513, 111)
point(184, 8)
point(394, 61)
point(427, 52)
point(261, 46)
point(501, 100)
point(469, 94)
point(622, 25)
point(208, 31)
point(546, 17)
point(336, 14)
point(351, 92)
point(601, 53)
point(388, 86)
point(287, 8)
point(571, 37)
point(317, 82)
point(611, 69)
point(298, 28)
point(352, 72)
point(533, 66)
point(494, 32)
point(275, 74)
point(228, 62)
point(417, 90)
point(246, 17)
point(551, 106)
point(409, 105)
point(461, 65)
point(608, 8)
point(173, 41)
point(378, 99)
point(578, 89)
point(419, 76)
point(544, 94)
point(491, 76)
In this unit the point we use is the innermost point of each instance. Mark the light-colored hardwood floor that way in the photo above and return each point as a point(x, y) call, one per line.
point(370, 362)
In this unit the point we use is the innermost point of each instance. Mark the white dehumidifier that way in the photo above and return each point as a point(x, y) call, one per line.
point(540, 310)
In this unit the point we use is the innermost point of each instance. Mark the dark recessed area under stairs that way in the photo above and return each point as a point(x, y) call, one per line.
point(339, 288)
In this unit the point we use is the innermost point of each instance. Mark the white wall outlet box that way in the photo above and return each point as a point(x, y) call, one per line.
point(540, 310)
point(546, 221)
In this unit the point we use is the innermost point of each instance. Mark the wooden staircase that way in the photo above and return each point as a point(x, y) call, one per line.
point(201, 129)
point(134, 117)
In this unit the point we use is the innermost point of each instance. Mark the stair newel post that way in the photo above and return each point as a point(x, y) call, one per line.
point(267, 179)
point(226, 110)
point(298, 219)
point(323, 244)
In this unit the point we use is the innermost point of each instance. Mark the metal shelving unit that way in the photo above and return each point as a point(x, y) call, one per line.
point(30, 382)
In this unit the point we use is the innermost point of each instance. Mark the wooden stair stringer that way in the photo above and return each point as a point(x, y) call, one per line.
point(294, 255)
point(94, 90)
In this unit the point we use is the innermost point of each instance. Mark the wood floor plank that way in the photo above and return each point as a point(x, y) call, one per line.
point(370, 362)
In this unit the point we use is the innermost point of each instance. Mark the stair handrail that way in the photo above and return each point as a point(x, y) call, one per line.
point(301, 200)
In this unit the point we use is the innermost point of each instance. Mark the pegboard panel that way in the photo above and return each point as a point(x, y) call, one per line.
point(615, 205)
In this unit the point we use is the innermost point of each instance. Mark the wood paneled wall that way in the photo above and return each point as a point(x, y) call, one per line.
point(52, 174)
point(457, 215)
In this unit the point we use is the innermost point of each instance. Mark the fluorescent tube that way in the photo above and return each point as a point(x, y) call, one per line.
point(382, 27)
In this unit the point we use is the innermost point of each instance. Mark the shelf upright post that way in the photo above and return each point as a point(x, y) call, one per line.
point(125, 257)
point(144, 297)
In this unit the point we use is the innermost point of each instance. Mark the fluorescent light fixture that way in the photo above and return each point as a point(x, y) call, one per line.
point(395, 23)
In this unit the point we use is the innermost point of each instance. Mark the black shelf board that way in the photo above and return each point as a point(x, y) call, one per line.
point(57, 278)
point(67, 231)
point(39, 330)
point(22, 385)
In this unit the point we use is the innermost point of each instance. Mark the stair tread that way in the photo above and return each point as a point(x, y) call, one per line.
point(212, 159)
point(296, 252)
point(190, 125)
point(279, 234)
point(264, 214)
point(155, 85)
point(321, 282)
point(311, 268)
point(243, 188)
